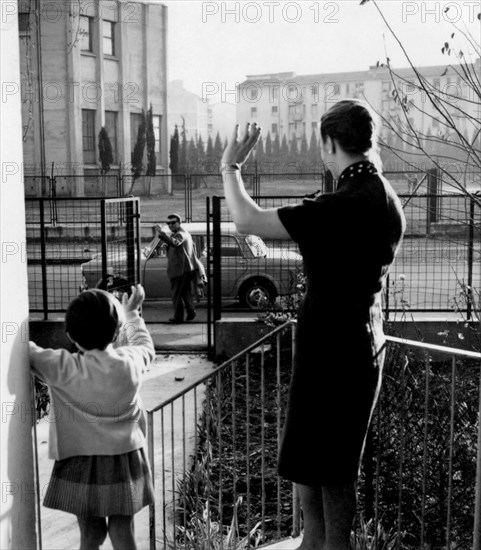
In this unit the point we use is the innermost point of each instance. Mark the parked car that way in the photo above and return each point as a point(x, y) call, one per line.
point(251, 271)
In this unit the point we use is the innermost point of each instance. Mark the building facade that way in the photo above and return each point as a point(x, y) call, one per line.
point(188, 112)
point(87, 65)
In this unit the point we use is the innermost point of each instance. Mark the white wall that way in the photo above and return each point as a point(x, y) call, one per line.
point(17, 508)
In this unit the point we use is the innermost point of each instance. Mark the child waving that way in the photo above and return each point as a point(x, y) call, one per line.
point(97, 426)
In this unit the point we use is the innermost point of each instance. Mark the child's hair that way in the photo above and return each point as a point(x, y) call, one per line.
point(353, 124)
point(93, 319)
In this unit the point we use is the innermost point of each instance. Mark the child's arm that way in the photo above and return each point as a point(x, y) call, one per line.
point(134, 331)
point(53, 366)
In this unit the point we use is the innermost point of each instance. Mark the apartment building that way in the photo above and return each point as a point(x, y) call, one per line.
point(286, 104)
point(87, 65)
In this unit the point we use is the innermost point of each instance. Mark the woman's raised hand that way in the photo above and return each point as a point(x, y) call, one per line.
point(237, 151)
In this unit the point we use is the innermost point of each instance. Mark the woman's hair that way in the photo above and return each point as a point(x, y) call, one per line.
point(353, 124)
point(93, 319)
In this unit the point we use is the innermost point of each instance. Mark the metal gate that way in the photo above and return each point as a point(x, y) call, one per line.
point(78, 240)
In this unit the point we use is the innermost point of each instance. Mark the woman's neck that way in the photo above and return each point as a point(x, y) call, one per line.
point(342, 161)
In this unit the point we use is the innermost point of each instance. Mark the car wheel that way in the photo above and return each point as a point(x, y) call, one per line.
point(257, 293)
point(116, 286)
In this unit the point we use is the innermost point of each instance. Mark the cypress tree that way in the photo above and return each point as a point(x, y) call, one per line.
point(106, 156)
point(150, 138)
point(174, 152)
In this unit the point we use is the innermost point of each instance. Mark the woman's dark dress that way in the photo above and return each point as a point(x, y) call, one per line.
point(348, 240)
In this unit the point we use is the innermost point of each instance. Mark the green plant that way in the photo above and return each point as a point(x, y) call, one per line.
point(371, 535)
point(278, 313)
point(203, 533)
point(138, 153)
point(105, 151)
point(42, 398)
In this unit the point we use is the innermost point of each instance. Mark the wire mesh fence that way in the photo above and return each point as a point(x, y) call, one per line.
point(67, 236)
point(437, 269)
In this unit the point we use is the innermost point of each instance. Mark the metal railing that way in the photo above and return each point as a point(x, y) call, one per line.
point(213, 451)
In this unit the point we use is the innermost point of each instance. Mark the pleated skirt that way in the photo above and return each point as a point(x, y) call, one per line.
point(101, 485)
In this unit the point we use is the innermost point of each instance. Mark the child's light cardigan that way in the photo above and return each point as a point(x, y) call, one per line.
point(95, 407)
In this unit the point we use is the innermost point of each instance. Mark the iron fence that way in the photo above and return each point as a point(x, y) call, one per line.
point(437, 269)
point(213, 450)
point(63, 234)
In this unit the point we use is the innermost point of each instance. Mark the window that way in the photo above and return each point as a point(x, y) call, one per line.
point(252, 92)
point(314, 110)
point(274, 128)
point(314, 126)
point(274, 110)
point(88, 136)
point(157, 122)
point(253, 112)
point(111, 126)
point(108, 37)
point(86, 30)
point(23, 20)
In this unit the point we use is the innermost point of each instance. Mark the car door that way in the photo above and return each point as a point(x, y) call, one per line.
point(154, 276)
point(233, 264)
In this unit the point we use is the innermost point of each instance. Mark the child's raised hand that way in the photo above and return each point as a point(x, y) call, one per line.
point(135, 300)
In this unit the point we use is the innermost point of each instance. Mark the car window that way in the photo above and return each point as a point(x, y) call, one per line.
point(229, 246)
point(147, 250)
point(160, 250)
point(257, 246)
point(200, 242)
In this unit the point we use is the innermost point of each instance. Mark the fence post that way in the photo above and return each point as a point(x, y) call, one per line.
point(209, 281)
point(103, 232)
point(150, 447)
point(132, 239)
point(477, 504)
point(469, 290)
point(43, 259)
point(216, 271)
point(432, 206)
point(388, 282)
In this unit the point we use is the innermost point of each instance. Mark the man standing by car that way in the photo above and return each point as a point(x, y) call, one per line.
point(181, 267)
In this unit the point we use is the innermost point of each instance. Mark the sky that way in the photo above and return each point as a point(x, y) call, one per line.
point(214, 45)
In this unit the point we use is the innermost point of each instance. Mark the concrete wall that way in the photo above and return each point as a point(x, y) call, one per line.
point(17, 508)
point(235, 334)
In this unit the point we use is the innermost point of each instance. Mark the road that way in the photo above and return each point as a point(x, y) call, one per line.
point(426, 275)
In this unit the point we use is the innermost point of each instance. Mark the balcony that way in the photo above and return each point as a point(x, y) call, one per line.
point(213, 450)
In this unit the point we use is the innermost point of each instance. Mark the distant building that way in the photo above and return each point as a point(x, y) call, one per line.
point(223, 119)
point(188, 111)
point(286, 104)
point(85, 65)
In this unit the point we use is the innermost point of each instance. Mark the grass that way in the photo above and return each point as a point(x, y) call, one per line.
point(155, 208)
